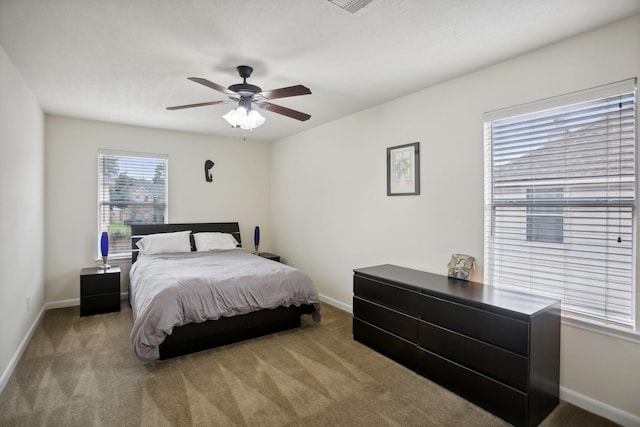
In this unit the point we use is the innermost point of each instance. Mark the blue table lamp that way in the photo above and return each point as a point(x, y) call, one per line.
point(256, 238)
point(104, 249)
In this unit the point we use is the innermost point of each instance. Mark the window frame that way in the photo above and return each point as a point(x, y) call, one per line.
point(123, 250)
point(606, 91)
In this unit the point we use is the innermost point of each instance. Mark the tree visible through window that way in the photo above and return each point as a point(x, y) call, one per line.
point(132, 188)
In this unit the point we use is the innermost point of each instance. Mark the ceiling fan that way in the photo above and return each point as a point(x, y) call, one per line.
point(247, 94)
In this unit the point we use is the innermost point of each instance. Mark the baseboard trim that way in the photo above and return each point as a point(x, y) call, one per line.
point(4, 379)
point(62, 303)
point(592, 405)
point(124, 296)
point(336, 303)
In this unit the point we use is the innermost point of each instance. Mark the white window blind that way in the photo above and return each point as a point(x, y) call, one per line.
point(560, 205)
point(132, 189)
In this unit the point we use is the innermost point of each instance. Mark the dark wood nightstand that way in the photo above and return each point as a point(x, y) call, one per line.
point(99, 290)
point(270, 256)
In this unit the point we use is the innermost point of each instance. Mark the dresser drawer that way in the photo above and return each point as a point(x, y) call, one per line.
point(399, 299)
point(499, 399)
point(394, 322)
point(392, 346)
point(505, 366)
point(502, 331)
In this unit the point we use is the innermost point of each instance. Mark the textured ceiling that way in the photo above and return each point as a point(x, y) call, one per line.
point(124, 61)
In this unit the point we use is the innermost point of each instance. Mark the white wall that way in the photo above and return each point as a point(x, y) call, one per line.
point(331, 213)
point(21, 214)
point(239, 191)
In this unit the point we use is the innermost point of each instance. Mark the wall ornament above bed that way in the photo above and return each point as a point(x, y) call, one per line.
point(207, 173)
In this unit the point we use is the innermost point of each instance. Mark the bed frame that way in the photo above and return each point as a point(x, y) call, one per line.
point(195, 337)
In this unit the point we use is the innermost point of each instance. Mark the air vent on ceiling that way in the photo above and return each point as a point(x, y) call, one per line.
point(351, 5)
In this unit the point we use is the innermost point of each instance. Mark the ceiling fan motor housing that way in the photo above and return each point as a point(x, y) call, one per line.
point(244, 88)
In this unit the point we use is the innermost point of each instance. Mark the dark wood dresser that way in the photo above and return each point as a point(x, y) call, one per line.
point(496, 348)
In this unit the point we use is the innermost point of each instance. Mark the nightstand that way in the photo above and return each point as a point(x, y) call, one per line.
point(270, 256)
point(99, 290)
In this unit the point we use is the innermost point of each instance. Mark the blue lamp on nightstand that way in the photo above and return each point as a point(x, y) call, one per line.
point(256, 238)
point(104, 249)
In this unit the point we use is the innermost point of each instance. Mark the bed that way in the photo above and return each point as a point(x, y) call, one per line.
point(162, 283)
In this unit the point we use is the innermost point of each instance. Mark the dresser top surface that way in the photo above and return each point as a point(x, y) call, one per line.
point(456, 289)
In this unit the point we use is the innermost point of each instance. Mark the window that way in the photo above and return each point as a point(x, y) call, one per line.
point(560, 201)
point(132, 188)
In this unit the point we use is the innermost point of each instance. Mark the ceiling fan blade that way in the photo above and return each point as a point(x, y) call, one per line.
point(284, 92)
point(284, 111)
point(202, 104)
point(215, 86)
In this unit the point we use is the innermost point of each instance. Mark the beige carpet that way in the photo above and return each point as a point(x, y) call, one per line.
point(82, 372)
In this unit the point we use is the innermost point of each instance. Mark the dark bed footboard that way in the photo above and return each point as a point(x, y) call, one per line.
point(196, 337)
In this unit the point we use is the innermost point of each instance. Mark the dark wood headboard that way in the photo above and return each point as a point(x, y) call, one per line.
point(138, 231)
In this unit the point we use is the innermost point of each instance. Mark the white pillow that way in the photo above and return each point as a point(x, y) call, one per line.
point(214, 241)
point(165, 243)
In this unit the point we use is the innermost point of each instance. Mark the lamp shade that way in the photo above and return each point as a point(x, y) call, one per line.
point(236, 117)
point(254, 119)
point(244, 119)
point(104, 244)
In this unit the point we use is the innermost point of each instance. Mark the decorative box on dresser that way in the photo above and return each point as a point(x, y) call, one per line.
point(99, 290)
point(496, 348)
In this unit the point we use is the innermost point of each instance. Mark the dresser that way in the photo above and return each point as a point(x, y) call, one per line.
point(99, 290)
point(496, 348)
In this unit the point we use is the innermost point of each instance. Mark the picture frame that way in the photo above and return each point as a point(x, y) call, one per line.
point(403, 170)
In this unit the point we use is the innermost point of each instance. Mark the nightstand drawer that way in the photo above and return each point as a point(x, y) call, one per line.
point(399, 299)
point(502, 331)
point(97, 304)
point(94, 285)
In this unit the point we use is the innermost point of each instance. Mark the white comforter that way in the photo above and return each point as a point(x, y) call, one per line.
point(172, 290)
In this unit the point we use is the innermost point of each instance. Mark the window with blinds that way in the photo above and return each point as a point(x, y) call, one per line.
point(132, 189)
point(560, 204)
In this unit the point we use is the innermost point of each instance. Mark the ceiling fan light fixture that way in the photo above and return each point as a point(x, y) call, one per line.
point(254, 120)
point(244, 119)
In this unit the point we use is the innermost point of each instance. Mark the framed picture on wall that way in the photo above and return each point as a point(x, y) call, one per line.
point(403, 170)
